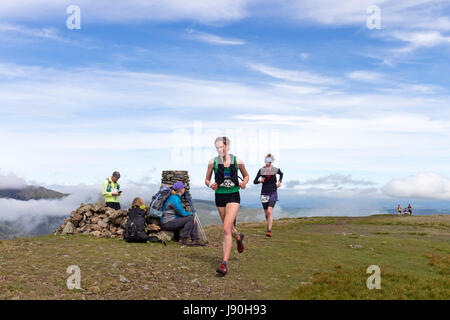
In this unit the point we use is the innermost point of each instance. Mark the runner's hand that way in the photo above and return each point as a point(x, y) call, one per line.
point(214, 186)
point(278, 184)
point(242, 185)
point(262, 180)
point(115, 194)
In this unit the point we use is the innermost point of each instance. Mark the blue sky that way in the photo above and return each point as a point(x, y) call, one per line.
point(147, 86)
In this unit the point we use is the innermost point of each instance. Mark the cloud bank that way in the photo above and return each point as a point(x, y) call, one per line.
point(11, 181)
point(424, 185)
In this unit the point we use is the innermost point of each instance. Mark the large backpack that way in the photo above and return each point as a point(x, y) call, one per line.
point(158, 201)
point(135, 226)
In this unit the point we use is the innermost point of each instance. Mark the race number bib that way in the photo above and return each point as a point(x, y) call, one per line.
point(265, 198)
point(227, 183)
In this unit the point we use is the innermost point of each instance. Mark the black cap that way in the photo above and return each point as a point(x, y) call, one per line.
point(116, 174)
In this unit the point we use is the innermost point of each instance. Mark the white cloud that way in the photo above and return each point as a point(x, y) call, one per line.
point(117, 11)
point(45, 33)
point(304, 55)
point(367, 76)
point(67, 117)
point(394, 14)
point(11, 181)
point(424, 185)
point(293, 75)
point(417, 40)
point(214, 39)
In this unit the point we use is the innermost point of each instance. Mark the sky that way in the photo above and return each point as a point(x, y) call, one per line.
point(351, 97)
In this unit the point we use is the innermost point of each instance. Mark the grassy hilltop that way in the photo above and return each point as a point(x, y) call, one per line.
point(308, 258)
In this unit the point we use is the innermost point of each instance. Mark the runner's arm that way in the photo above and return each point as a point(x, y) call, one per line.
point(244, 172)
point(256, 181)
point(281, 175)
point(209, 172)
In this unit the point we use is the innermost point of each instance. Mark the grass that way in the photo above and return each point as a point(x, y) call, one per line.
point(307, 258)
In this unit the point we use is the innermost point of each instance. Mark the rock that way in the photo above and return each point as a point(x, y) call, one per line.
point(94, 289)
point(156, 221)
point(355, 246)
point(95, 220)
point(153, 227)
point(165, 236)
point(96, 234)
point(196, 282)
point(99, 205)
point(102, 224)
point(106, 234)
point(96, 227)
point(69, 228)
point(123, 279)
point(77, 217)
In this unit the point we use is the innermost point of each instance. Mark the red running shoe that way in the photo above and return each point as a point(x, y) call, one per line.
point(223, 268)
point(269, 234)
point(240, 243)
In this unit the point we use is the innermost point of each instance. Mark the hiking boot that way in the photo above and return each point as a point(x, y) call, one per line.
point(197, 243)
point(223, 268)
point(240, 243)
point(269, 234)
point(183, 241)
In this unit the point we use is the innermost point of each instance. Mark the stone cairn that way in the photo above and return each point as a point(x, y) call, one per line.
point(103, 222)
point(95, 219)
point(168, 178)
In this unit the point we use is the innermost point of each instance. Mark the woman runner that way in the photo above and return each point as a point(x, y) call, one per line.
point(267, 175)
point(226, 187)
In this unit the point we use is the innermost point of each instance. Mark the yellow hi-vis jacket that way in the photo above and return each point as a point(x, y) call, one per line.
point(108, 187)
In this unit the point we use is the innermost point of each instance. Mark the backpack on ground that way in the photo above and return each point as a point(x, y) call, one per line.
point(158, 201)
point(135, 226)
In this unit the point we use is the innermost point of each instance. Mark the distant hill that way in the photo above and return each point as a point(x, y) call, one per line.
point(31, 193)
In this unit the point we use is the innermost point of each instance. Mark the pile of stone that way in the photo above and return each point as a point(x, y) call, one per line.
point(104, 222)
point(168, 178)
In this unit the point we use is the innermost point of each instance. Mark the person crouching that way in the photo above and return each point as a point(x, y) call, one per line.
point(175, 217)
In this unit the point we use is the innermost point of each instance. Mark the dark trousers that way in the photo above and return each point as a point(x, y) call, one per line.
point(190, 228)
point(114, 205)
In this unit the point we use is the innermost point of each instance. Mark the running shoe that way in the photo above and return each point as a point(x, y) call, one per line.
point(240, 243)
point(269, 234)
point(223, 268)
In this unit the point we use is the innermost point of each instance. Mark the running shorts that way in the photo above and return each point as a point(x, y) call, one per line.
point(223, 198)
